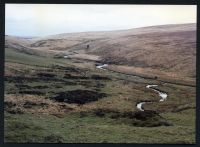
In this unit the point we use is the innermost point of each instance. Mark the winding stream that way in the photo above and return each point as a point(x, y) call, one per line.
point(140, 104)
point(102, 66)
point(161, 94)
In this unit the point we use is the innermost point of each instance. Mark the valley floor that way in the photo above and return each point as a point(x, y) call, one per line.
point(71, 101)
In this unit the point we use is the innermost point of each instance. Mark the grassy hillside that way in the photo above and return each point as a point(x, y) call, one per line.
point(49, 98)
point(168, 48)
point(32, 84)
point(72, 128)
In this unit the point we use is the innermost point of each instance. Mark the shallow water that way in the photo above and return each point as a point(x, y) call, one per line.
point(102, 66)
point(161, 94)
point(139, 106)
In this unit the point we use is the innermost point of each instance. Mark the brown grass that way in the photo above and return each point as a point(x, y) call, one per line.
point(37, 104)
point(169, 50)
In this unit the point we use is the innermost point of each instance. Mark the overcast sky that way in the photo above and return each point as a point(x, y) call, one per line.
point(48, 19)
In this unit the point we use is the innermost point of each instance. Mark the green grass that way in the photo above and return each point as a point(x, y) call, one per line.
point(182, 118)
point(75, 129)
point(18, 57)
point(92, 129)
point(15, 56)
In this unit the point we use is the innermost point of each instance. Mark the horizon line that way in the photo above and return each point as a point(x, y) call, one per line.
point(99, 31)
